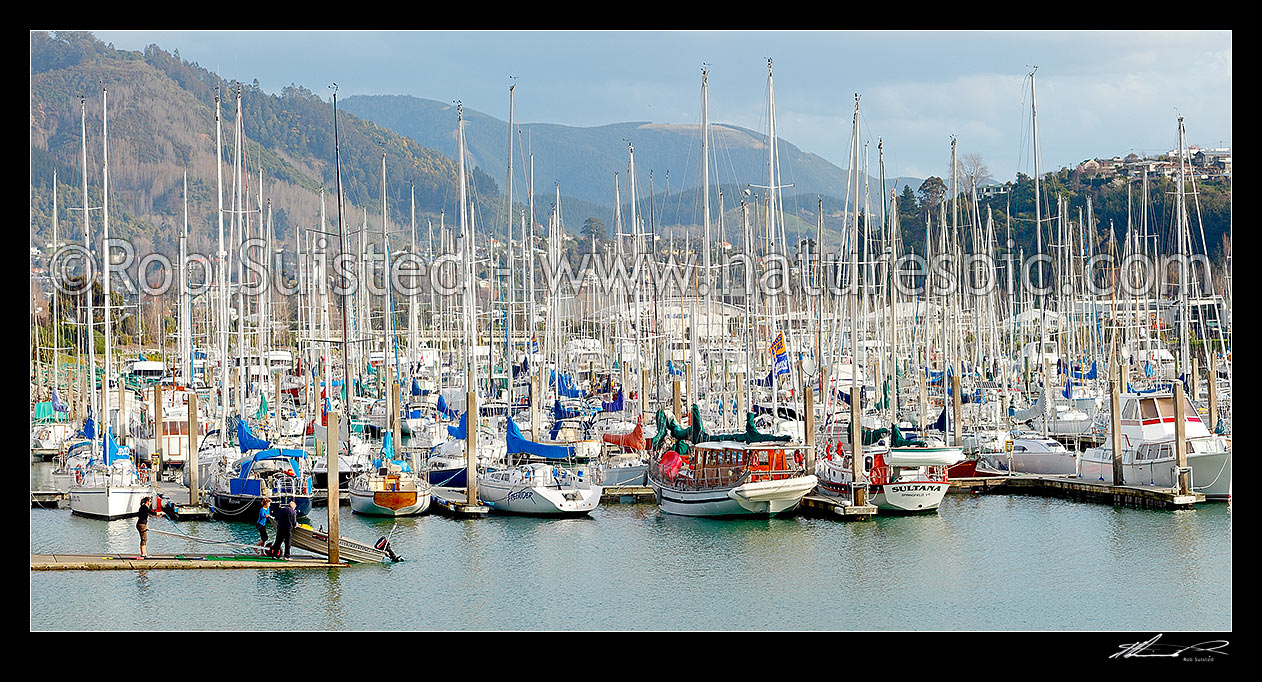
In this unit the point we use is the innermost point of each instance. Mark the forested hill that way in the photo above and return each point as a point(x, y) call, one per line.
point(583, 160)
point(161, 124)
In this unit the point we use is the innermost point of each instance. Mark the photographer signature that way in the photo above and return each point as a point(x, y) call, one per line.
point(1155, 650)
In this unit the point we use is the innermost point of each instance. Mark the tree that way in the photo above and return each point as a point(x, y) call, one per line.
point(931, 192)
point(974, 169)
point(593, 229)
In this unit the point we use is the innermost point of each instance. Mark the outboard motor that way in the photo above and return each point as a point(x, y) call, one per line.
point(383, 544)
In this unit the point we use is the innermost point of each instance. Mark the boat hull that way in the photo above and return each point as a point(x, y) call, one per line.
point(113, 502)
point(389, 503)
point(246, 507)
point(449, 478)
point(909, 496)
point(763, 498)
point(1043, 463)
point(539, 500)
point(1211, 473)
point(305, 537)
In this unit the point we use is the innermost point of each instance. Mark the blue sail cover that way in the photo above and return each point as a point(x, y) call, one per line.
point(615, 406)
point(1069, 389)
point(566, 387)
point(523, 368)
point(388, 455)
point(416, 388)
point(58, 406)
point(941, 424)
point(560, 413)
point(247, 440)
point(445, 410)
point(274, 453)
point(966, 398)
point(89, 429)
point(461, 431)
point(517, 444)
point(1091, 374)
point(672, 370)
point(112, 451)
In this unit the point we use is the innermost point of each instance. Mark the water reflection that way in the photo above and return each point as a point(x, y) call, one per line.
point(1051, 564)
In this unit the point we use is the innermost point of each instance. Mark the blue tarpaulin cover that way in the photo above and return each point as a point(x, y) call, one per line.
point(615, 406)
point(560, 413)
point(274, 453)
point(460, 431)
point(247, 440)
point(1091, 374)
point(517, 444)
point(445, 410)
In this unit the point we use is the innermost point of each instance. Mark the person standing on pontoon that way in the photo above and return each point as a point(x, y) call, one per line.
point(142, 524)
point(264, 514)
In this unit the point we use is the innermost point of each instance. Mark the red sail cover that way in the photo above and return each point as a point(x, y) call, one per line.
point(630, 441)
point(670, 465)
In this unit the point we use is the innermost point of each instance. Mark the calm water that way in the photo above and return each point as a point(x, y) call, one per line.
point(981, 563)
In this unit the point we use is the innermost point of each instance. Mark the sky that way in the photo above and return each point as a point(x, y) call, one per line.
point(1099, 93)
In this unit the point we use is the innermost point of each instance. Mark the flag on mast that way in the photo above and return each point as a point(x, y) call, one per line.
point(777, 351)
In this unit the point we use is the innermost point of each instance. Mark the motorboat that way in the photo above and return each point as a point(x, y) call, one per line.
point(1148, 457)
point(730, 478)
point(1032, 454)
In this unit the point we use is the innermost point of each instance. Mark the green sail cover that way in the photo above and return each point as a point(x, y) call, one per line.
point(898, 441)
point(696, 433)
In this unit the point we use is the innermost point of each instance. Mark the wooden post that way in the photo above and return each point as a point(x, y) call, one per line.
point(1180, 437)
point(122, 412)
point(644, 392)
point(191, 460)
point(1213, 392)
point(535, 380)
point(1115, 425)
point(924, 405)
point(1194, 377)
point(396, 416)
point(471, 448)
point(809, 398)
point(333, 448)
point(688, 382)
point(856, 443)
point(156, 467)
point(726, 370)
point(956, 410)
point(675, 400)
point(276, 406)
point(1049, 411)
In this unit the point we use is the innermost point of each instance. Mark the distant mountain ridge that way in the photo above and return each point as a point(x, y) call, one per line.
point(583, 160)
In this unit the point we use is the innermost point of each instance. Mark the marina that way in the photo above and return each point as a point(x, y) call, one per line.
point(735, 407)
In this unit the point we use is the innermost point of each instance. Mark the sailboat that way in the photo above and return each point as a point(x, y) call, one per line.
point(112, 485)
point(538, 488)
point(393, 487)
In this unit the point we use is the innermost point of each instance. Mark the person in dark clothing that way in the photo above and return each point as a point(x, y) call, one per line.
point(142, 524)
point(286, 520)
point(264, 514)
